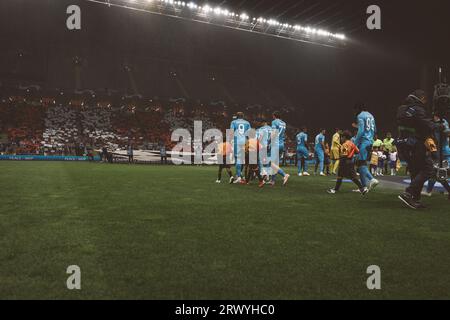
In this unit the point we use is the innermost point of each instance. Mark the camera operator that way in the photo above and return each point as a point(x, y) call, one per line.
point(416, 145)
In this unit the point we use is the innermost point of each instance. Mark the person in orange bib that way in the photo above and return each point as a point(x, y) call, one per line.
point(224, 156)
point(347, 165)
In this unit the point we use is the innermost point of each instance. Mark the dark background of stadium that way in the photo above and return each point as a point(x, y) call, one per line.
point(376, 67)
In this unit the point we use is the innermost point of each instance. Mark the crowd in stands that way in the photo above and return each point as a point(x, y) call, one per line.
point(36, 122)
point(57, 122)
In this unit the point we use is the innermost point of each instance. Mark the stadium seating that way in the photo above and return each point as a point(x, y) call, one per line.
point(64, 123)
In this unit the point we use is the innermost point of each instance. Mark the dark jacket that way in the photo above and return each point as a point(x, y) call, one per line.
point(413, 121)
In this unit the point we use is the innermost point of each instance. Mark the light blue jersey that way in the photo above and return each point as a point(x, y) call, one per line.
point(265, 133)
point(366, 128)
point(302, 140)
point(258, 133)
point(320, 138)
point(240, 127)
point(280, 126)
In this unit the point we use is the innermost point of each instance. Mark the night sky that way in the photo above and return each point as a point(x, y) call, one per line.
point(376, 67)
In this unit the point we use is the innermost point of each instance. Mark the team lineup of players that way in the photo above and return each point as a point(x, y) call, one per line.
point(257, 152)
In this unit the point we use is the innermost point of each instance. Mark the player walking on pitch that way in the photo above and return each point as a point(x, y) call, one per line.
point(264, 136)
point(240, 126)
point(346, 165)
point(302, 152)
point(224, 153)
point(320, 151)
point(364, 141)
point(335, 147)
point(279, 136)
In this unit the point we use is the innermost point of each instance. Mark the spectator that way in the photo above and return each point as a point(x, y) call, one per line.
point(130, 153)
point(388, 144)
point(374, 161)
point(163, 152)
point(393, 157)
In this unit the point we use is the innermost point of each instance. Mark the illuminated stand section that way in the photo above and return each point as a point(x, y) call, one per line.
point(230, 19)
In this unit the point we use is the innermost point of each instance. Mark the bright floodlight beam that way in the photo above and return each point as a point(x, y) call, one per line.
point(218, 11)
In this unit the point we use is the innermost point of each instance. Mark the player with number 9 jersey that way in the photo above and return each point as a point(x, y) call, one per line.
point(240, 127)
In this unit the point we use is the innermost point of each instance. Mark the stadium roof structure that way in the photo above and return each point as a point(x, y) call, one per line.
point(282, 19)
point(416, 26)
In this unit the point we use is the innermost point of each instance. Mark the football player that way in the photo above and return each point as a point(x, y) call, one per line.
point(224, 154)
point(364, 140)
point(278, 138)
point(240, 126)
point(302, 152)
point(346, 164)
point(319, 151)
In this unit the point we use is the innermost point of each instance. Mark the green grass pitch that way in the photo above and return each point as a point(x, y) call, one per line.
point(169, 232)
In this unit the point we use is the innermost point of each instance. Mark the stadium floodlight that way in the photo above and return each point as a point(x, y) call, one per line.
point(230, 19)
point(207, 9)
point(192, 5)
point(244, 16)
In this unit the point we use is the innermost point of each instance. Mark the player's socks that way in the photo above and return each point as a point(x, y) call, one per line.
point(281, 172)
point(285, 179)
point(373, 184)
point(362, 176)
point(238, 170)
point(338, 184)
point(365, 175)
